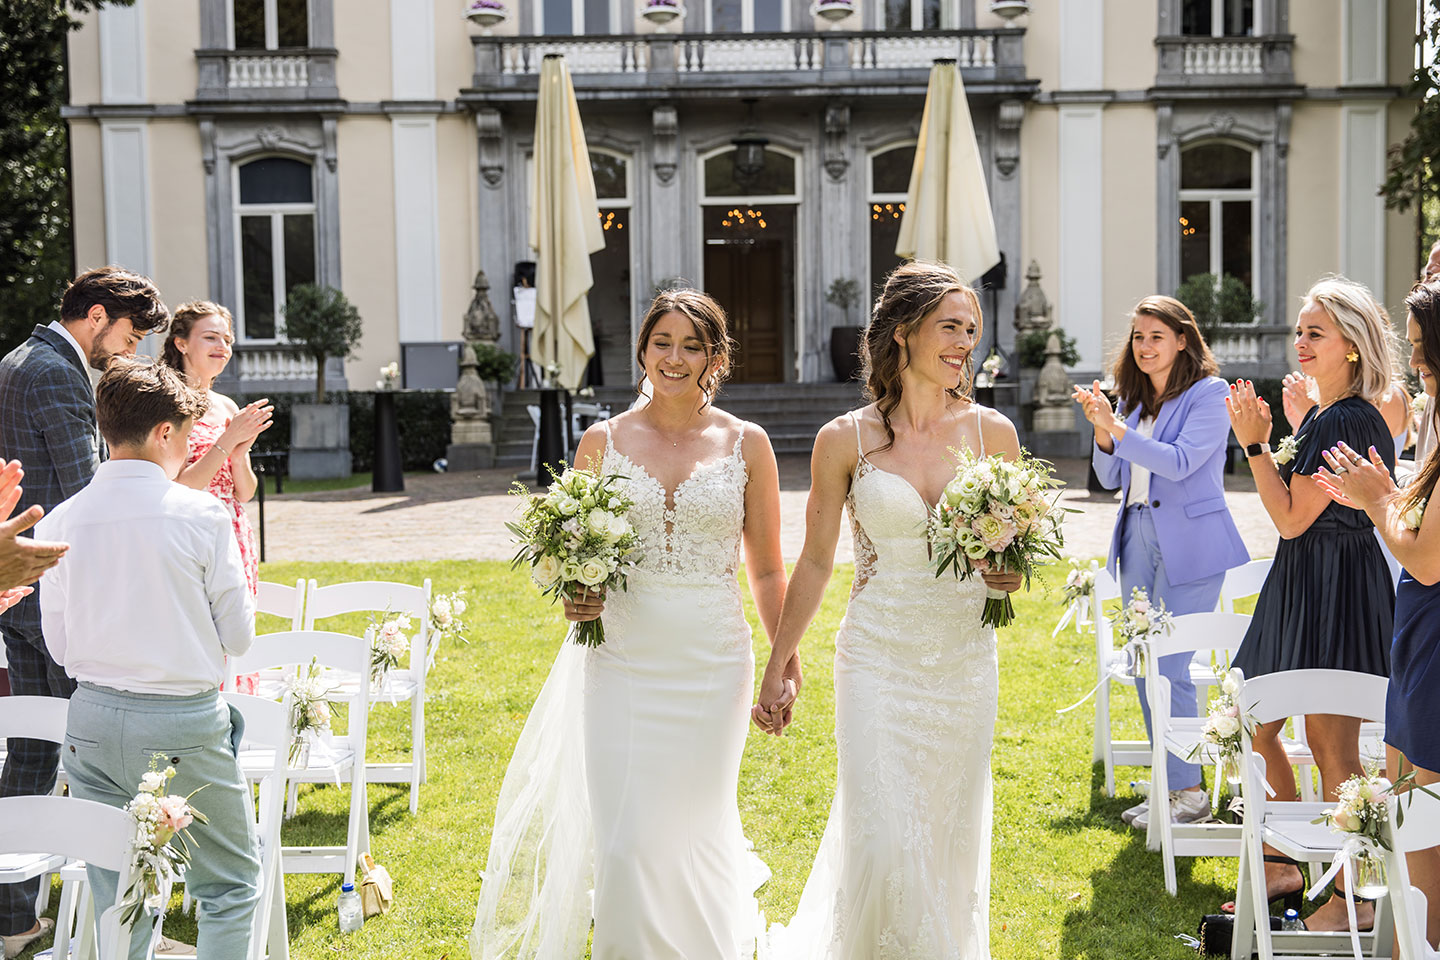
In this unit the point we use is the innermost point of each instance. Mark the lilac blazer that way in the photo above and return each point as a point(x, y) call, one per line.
point(1186, 460)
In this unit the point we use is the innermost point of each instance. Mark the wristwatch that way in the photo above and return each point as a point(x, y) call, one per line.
point(1255, 449)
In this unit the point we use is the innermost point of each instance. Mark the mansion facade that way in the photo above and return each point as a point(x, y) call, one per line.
point(234, 148)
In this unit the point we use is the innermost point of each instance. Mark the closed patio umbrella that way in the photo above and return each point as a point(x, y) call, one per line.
point(947, 208)
point(564, 229)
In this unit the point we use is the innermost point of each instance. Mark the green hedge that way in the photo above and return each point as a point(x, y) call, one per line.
point(424, 417)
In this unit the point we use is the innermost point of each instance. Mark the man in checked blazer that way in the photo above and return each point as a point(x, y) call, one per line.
point(47, 422)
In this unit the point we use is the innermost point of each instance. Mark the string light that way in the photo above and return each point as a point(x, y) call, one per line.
point(892, 210)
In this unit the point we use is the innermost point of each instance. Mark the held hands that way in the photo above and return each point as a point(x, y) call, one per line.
point(1249, 414)
point(775, 708)
point(1096, 406)
point(1352, 480)
point(252, 420)
point(587, 606)
point(1298, 394)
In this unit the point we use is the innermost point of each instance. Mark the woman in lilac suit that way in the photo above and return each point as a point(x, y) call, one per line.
point(1174, 537)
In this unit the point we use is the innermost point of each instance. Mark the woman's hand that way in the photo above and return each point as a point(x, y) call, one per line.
point(252, 420)
point(1095, 405)
point(1249, 414)
point(1297, 395)
point(586, 606)
point(775, 704)
point(1353, 481)
point(1002, 580)
point(13, 596)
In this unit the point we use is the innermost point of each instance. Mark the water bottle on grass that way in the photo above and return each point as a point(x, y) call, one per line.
point(351, 916)
point(1291, 920)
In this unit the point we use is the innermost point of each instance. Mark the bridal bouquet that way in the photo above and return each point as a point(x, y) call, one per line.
point(996, 514)
point(1139, 619)
point(576, 538)
point(158, 820)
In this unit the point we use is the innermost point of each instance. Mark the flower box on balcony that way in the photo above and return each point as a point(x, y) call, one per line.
point(486, 13)
point(662, 12)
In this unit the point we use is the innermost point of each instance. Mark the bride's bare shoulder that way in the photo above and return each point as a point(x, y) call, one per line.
point(997, 431)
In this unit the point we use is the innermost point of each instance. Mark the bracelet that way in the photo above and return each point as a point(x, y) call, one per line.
point(217, 446)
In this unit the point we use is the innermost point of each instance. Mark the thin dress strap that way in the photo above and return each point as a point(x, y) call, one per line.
point(609, 440)
point(859, 447)
point(979, 432)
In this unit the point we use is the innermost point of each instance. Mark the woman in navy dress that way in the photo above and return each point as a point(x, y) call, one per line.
point(1412, 711)
point(1328, 602)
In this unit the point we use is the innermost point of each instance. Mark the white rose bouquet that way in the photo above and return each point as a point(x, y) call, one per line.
point(1077, 592)
point(1286, 449)
point(575, 537)
point(447, 612)
point(159, 819)
point(1137, 620)
point(310, 708)
point(389, 642)
point(1225, 727)
point(996, 514)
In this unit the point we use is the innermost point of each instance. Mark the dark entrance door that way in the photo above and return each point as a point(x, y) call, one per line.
point(751, 274)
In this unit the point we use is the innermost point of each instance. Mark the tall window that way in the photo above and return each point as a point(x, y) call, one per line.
point(889, 182)
point(275, 228)
point(748, 16)
point(1218, 212)
point(609, 297)
point(913, 14)
point(1217, 18)
point(269, 24)
point(569, 17)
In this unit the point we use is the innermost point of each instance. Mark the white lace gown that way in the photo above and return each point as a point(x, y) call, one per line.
point(645, 814)
point(903, 869)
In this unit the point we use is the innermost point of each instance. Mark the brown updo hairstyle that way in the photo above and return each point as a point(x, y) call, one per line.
point(1424, 305)
point(911, 293)
point(186, 316)
point(711, 326)
point(1192, 364)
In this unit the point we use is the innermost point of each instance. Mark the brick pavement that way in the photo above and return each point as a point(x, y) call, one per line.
point(462, 517)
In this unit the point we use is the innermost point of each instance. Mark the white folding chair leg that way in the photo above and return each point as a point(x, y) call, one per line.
point(417, 752)
point(42, 902)
point(1242, 944)
point(1104, 748)
point(86, 947)
point(65, 918)
point(278, 936)
point(292, 797)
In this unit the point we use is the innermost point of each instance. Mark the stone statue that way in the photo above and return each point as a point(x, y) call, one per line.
point(1053, 407)
point(1032, 310)
point(482, 323)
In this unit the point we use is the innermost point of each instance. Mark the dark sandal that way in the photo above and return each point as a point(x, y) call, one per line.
point(1292, 899)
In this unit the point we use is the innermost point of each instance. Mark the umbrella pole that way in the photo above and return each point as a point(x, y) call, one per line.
point(550, 445)
point(569, 424)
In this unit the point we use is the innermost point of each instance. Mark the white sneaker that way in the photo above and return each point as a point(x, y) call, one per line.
point(1128, 817)
point(1186, 806)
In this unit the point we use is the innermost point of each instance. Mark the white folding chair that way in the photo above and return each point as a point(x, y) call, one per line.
point(1112, 752)
point(33, 718)
point(280, 600)
point(1205, 635)
point(1419, 831)
point(377, 596)
point(264, 752)
point(1243, 581)
point(1287, 826)
point(344, 755)
point(66, 828)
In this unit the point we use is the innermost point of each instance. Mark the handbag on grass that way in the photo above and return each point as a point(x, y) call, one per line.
point(376, 887)
point(1217, 930)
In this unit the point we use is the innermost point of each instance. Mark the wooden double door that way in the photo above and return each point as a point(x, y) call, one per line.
point(752, 275)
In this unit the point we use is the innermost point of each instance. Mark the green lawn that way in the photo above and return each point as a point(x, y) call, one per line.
point(1068, 879)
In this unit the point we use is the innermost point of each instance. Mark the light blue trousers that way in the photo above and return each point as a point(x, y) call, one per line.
point(109, 742)
point(1142, 566)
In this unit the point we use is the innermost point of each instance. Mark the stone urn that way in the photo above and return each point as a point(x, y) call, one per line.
point(833, 10)
point(663, 12)
point(486, 13)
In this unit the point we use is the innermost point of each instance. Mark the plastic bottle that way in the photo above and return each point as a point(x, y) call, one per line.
point(352, 918)
point(1291, 920)
point(1140, 787)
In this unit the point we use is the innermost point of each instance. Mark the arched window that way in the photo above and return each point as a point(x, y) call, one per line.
point(889, 182)
point(1218, 211)
point(1217, 18)
point(275, 240)
point(269, 24)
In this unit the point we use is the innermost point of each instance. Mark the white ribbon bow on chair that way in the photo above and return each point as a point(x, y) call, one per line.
point(1344, 863)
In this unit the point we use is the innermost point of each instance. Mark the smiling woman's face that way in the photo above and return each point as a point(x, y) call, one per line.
point(941, 343)
point(1154, 346)
point(1320, 345)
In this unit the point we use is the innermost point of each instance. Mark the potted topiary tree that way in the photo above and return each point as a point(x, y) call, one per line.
point(321, 323)
point(845, 338)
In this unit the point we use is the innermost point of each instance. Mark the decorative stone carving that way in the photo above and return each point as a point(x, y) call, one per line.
point(492, 145)
point(1053, 408)
point(1007, 139)
point(1033, 310)
point(270, 136)
point(665, 125)
point(482, 323)
point(1222, 122)
point(837, 131)
point(470, 405)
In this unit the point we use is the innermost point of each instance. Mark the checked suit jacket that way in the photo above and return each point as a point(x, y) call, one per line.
point(47, 422)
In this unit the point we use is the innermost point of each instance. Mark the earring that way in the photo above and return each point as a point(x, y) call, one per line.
point(1353, 357)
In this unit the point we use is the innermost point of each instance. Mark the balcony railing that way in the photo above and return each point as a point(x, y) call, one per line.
point(274, 363)
point(779, 61)
point(247, 75)
point(1225, 61)
point(1252, 350)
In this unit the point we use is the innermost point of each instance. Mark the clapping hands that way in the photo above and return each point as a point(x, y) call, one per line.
point(1354, 481)
point(1096, 405)
point(1298, 394)
point(252, 420)
point(22, 560)
point(1249, 414)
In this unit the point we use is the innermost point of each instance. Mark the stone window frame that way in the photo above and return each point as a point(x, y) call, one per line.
point(1261, 127)
point(872, 197)
point(216, 18)
point(228, 144)
point(1211, 195)
point(277, 254)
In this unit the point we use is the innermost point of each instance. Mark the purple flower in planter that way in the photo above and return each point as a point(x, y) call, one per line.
point(485, 6)
point(662, 4)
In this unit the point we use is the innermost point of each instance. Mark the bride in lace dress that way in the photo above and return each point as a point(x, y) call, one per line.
point(903, 869)
point(624, 779)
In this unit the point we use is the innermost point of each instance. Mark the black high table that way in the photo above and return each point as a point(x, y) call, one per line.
point(388, 475)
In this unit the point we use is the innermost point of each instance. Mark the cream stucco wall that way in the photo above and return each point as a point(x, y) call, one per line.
point(362, 37)
point(84, 60)
point(172, 33)
point(454, 54)
point(1316, 25)
point(1313, 225)
point(1403, 258)
point(459, 161)
point(87, 192)
point(1039, 201)
point(1129, 230)
point(1130, 54)
point(178, 231)
point(367, 240)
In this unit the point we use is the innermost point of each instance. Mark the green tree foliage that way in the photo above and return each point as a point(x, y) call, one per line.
point(1215, 302)
point(35, 242)
point(1030, 347)
point(494, 365)
point(322, 323)
point(1411, 176)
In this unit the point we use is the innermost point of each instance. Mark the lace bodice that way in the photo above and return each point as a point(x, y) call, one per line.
point(887, 518)
point(692, 535)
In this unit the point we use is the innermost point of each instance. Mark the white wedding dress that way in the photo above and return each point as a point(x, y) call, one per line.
point(903, 870)
point(624, 779)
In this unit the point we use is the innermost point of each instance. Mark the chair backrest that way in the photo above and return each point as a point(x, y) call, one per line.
point(1193, 632)
point(1295, 693)
point(282, 601)
point(376, 596)
point(1106, 589)
point(1243, 581)
point(85, 830)
point(1419, 831)
point(338, 651)
point(35, 718)
point(1421, 827)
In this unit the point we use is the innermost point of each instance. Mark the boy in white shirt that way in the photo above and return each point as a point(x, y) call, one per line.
point(142, 614)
